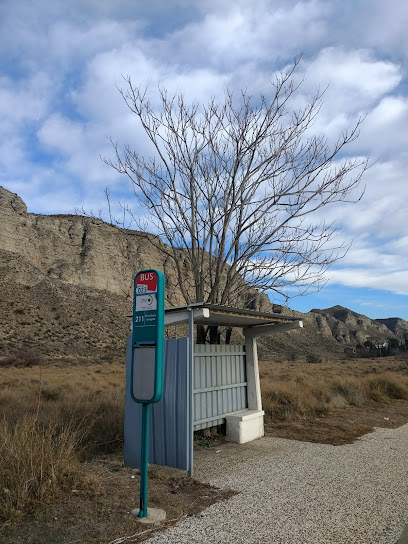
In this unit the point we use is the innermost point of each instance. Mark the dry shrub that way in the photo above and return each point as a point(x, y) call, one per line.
point(280, 404)
point(353, 391)
point(24, 357)
point(103, 419)
point(313, 358)
point(292, 390)
point(387, 386)
point(88, 397)
point(52, 418)
point(36, 463)
point(285, 400)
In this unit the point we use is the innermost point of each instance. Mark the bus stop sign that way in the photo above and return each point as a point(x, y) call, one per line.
point(148, 337)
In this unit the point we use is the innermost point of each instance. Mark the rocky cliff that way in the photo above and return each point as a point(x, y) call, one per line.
point(352, 328)
point(76, 250)
point(65, 283)
point(395, 324)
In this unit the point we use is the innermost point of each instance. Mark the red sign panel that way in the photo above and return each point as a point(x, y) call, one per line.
point(146, 282)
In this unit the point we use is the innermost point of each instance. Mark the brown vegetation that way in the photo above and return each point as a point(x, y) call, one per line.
point(36, 463)
point(62, 432)
point(51, 419)
point(89, 397)
point(62, 477)
point(334, 401)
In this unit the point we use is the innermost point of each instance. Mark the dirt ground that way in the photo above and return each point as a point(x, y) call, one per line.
point(102, 513)
point(343, 425)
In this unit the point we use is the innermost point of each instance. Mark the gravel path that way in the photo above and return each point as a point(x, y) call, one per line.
point(297, 492)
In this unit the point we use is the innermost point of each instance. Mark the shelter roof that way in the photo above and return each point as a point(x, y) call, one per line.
point(215, 314)
point(253, 323)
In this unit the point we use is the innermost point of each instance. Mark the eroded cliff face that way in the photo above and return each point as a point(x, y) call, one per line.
point(348, 327)
point(395, 324)
point(66, 282)
point(81, 251)
point(87, 252)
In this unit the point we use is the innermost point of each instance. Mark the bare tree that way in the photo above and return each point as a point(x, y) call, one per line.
point(232, 188)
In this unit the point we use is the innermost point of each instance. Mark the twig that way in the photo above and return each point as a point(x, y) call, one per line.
point(125, 538)
point(137, 535)
point(39, 399)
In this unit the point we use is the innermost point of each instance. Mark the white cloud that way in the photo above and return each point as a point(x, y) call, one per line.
point(395, 281)
point(24, 101)
point(384, 130)
point(58, 99)
point(381, 213)
point(236, 33)
point(354, 82)
point(11, 152)
point(378, 25)
point(61, 133)
point(355, 75)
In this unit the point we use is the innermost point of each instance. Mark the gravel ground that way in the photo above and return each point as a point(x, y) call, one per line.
point(298, 492)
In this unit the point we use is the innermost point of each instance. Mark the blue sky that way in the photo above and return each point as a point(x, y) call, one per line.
point(61, 61)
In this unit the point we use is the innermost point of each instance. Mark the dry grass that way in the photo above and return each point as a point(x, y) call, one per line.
point(91, 397)
point(36, 463)
point(292, 390)
point(52, 418)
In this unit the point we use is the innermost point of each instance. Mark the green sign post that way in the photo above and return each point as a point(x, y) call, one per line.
point(147, 358)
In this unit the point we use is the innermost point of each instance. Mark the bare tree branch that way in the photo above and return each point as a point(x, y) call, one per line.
point(233, 187)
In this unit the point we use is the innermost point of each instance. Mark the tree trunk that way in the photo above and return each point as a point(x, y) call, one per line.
point(208, 335)
point(201, 334)
point(214, 335)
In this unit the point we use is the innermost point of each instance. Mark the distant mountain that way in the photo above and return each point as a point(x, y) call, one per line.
point(65, 284)
point(350, 327)
point(396, 325)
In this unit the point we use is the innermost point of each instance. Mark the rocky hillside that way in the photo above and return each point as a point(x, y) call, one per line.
point(352, 328)
point(395, 324)
point(74, 250)
point(65, 284)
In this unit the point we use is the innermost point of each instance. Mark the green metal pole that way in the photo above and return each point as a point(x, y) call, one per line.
point(144, 461)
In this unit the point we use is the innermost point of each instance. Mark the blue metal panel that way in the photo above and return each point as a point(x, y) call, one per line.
point(220, 388)
point(169, 437)
point(220, 385)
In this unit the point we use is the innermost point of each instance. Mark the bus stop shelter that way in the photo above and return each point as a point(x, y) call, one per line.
point(204, 385)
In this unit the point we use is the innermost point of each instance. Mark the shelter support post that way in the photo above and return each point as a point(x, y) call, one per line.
point(248, 425)
point(190, 389)
point(252, 370)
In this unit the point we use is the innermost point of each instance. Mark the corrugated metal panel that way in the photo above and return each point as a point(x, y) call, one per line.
point(220, 385)
point(169, 437)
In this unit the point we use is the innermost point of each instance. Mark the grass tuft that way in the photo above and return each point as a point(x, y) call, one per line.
point(294, 390)
point(36, 463)
point(387, 386)
point(51, 419)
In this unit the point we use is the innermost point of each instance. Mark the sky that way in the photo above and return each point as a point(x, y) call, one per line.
point(63, 61)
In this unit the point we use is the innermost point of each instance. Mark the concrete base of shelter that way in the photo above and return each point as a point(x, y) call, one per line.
point(245, 426)
point(155, 516)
